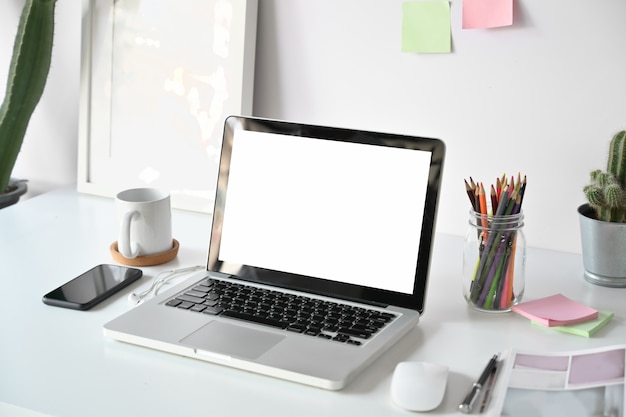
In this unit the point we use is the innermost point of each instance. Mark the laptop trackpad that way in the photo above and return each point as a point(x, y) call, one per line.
point(232, 340)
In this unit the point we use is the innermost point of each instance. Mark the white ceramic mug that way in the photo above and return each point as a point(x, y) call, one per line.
point(145, 222)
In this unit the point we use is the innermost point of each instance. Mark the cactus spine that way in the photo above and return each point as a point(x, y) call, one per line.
point(28, 73)
point(607, 191)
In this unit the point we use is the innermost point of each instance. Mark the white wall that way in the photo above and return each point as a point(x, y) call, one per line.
point(542, 97)
point(48, 155)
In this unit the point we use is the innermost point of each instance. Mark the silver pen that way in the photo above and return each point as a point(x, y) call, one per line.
point(468, 403)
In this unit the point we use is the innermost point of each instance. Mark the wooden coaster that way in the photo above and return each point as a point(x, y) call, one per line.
point(148, 260)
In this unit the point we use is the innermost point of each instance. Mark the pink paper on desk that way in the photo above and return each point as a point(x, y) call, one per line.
point(483, 14)
point(556, 310)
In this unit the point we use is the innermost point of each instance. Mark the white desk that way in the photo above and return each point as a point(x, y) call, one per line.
point(57, 362)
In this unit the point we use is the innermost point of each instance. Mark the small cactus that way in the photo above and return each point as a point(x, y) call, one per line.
point(28, 73)
point(606, 192)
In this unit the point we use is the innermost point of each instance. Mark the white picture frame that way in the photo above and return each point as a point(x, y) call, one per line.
point(158, 79)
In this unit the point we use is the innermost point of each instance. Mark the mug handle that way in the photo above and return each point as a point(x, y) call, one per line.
point(127, 248)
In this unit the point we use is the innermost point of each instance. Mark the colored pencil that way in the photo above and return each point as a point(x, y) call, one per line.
point(471, 194)
point(494, 200)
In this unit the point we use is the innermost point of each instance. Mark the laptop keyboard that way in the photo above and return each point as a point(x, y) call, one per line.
point(318, 318)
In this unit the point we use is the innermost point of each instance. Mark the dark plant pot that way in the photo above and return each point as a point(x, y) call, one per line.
point(603, 249)
point(17, 188)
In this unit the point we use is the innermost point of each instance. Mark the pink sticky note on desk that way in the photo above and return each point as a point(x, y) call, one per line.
point(556, 310)
point(483, 14)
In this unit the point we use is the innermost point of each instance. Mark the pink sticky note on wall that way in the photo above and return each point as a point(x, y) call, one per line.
point(483, 14)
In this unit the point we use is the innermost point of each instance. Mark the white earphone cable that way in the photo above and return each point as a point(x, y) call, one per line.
point(159, 280)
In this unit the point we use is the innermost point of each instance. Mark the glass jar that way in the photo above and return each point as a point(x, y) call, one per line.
point(494, 261)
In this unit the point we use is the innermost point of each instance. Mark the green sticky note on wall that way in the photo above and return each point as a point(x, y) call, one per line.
point(426, 26)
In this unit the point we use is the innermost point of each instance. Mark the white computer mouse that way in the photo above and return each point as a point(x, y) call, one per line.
point(419, 386)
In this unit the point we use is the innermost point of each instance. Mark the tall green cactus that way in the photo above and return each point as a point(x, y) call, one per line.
point(607, 191)
point(28, 73)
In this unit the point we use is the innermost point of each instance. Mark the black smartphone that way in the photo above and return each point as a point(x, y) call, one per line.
point(92, 287)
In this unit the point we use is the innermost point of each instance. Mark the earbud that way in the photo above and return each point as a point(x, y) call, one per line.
point(136, 299)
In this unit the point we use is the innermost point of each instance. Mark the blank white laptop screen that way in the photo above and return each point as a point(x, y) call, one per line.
point(326, 199)
point(339, 212)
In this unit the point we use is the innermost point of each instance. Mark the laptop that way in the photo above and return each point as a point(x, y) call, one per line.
point(318, 257)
